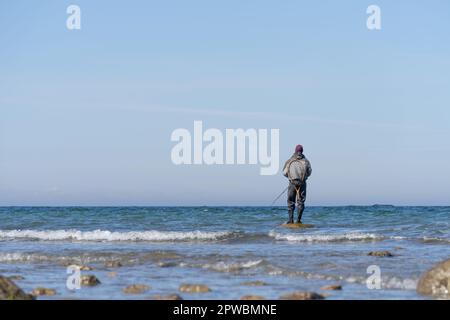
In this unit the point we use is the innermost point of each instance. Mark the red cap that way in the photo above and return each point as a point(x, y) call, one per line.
point(299, 148)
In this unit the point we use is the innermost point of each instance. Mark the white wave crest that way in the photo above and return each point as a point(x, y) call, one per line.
point(222, 266)
point(435, 239)
point(21, 257)
point(399, 283)
point(352, 236)
point(105, 235)
point(388, 282)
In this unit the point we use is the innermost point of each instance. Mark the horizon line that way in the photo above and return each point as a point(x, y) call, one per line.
point(214, 206)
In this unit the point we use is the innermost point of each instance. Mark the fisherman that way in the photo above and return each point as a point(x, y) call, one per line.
point(297, 169)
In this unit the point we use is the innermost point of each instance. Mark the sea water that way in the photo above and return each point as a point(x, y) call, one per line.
point(223, 248)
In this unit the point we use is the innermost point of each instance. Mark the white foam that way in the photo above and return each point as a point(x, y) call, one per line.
point(352, 236)
point(398, 238)
point(435, 239)
point(398, 283)
point(233, 266)
point(10, 257)
point(105, 235)
point(21, 257)
point(388, 282)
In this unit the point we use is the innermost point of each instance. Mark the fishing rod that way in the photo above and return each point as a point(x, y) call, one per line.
point(279, 196)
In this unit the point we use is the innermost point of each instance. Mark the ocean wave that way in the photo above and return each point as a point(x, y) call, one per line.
point(105, 235)
point(399, 283)
point(426, 239)
point(222, 266)
point(77, 257)
point(22, 257)
point(435, 239)
point(352, 236)
point(388, 282)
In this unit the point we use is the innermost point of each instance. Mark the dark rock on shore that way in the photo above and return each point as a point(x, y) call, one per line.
point(194, 288)
point(380, 254)
point(299, 295)
point(436, 281)
point(10, 291)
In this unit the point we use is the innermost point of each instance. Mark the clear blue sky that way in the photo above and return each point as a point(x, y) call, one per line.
point(86, 116)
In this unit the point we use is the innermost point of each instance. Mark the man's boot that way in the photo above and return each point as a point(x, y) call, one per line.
point(300, 210)
point(291, 216)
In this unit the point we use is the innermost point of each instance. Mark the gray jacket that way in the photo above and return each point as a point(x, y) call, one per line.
point(297, 167)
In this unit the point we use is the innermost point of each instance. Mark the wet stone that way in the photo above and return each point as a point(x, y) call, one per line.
point(436, 281)
point(252, 297)
point(194, 288)
point(89, 280)
point(136, 289)
point(173, 296)
point(380, 254)
point(43, 292)
point(10, 291)
point(332, 287)
point(299, 295)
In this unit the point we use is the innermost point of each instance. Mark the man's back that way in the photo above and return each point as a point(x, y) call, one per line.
point(297, 167)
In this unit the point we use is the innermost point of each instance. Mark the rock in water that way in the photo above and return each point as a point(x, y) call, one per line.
point(89, 280)
point(9, 291)
point(302, 296)
point(252, 297)
point(113, 264)
point(136, 289)
point(332, 287)
point(194, 288)
point(167, 264)
point(43, 292)
point(297, 225)
point(173, 296)
point(380, 254)
point(436, 281)
point(82, 267)
point(256, 283)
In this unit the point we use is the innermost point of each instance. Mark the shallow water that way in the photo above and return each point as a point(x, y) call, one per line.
point(223, 247)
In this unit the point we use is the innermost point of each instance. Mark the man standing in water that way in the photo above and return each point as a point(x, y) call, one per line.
point(297, 169)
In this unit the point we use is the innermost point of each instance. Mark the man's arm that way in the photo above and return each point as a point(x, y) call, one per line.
point(308, 169)
point(285, 169)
